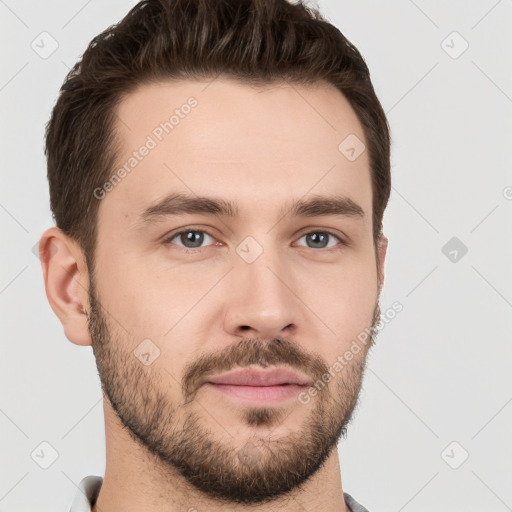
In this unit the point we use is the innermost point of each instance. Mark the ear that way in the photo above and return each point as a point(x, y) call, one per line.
point(381, 251)
point(66, 281)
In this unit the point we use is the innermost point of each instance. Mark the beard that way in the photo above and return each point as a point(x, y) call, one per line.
point(257, 469)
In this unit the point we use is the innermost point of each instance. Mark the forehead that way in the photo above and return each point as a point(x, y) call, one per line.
point(230, 140)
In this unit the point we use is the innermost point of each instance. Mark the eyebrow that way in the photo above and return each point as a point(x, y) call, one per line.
point(182, 204)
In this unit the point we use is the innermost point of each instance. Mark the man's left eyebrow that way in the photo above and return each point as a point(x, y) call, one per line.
point(318, 206)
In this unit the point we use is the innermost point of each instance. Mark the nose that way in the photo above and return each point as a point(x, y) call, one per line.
point(262, 301)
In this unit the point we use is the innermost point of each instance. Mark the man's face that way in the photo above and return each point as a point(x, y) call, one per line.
point(264, 288)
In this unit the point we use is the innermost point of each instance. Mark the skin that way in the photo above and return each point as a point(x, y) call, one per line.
point(172, 443)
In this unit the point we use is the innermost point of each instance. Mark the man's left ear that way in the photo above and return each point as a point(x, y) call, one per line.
point(382, 250)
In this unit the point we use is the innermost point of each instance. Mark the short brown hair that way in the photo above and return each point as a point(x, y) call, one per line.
point(254, 41)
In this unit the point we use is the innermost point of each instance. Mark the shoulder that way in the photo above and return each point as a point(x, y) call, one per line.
point(353, 505)
point(86, 494)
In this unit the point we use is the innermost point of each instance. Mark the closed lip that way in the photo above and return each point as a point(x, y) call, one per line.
point(260, 377)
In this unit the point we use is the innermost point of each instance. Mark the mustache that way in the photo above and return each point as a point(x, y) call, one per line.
point(279, 351)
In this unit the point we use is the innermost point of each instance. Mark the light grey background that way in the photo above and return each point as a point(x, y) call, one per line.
point(441, 370)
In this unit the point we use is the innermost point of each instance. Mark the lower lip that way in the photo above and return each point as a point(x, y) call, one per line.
point(262, 394)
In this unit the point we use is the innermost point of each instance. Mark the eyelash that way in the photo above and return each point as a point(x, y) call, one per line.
point(168, 240)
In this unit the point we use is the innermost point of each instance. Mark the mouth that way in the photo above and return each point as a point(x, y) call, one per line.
point(261, 377)
point(259, 394)
point(259, 385)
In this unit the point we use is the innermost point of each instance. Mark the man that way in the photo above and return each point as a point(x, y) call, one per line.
point(218, 174)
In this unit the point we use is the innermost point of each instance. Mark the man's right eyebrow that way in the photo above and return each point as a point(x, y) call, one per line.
point(181, 204)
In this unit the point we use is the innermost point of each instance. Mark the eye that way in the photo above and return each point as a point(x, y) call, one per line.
point(189, 238)
point(320, 239)
point(194, 239)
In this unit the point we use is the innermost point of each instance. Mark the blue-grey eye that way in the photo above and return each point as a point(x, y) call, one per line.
point(319, 239)
point(191, 239)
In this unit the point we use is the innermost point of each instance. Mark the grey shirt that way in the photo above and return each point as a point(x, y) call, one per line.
point(89, 488)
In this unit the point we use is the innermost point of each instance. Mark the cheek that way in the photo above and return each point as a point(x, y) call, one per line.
point(155, 301)
point(148, 311)
point(342, 302)
point(345, 291)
